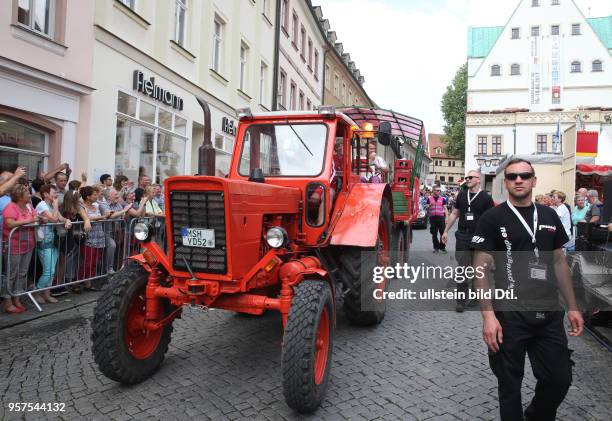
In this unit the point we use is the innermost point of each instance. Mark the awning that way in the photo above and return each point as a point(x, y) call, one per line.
point(601, 170)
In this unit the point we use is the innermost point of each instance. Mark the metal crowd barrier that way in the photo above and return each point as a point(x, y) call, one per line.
point(42, 257)
point(31, 263)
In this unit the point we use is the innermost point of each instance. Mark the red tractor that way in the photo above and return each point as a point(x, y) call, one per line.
point(292, 227)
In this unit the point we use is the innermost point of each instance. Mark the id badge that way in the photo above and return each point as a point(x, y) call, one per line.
point(469, 216)
point(537, 272)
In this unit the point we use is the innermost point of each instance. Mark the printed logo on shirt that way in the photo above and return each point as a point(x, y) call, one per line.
point(549, 228)
point(503, 231)
point(477, 240)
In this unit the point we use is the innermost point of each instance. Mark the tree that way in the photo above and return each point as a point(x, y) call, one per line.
point(454, 108)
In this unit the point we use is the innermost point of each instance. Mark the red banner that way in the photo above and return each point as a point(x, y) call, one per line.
point(586, 143)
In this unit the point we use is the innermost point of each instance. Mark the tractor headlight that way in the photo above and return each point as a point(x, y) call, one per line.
point(142, 231)
point(276, 237)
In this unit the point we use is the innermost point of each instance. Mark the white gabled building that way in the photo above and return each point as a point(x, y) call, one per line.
point(547, 69)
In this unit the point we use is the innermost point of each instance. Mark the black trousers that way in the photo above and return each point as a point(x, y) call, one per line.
point(542, 337)
point(437, 225)
point(463, 254)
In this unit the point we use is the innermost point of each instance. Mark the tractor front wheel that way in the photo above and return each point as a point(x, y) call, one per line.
point(307, 345)
point(123, 349)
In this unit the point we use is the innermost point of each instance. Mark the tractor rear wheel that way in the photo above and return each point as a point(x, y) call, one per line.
point(307, 345)
point(357, 265)
point(122, 348)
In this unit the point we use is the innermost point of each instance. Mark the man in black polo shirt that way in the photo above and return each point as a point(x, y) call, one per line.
point(470, 204)
point(524, 242)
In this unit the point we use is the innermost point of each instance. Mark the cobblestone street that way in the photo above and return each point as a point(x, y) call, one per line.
point(414, 366)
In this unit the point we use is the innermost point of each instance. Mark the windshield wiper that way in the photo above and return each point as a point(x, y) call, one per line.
point(298, 136)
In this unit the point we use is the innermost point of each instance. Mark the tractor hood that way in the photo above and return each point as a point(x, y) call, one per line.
point(234, 209)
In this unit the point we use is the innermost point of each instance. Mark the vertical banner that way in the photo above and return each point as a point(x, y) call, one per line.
point(555, 69)
point(535, 75)
point(556, 146)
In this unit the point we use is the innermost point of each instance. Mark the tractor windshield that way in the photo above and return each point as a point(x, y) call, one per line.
point(282, 150)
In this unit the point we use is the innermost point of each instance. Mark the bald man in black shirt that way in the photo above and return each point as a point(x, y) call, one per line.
point(523, 241)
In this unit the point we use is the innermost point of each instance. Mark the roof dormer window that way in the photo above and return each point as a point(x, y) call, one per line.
point(516, 33)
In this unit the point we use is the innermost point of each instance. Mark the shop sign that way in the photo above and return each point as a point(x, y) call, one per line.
point(149, 88)
point(228, 126)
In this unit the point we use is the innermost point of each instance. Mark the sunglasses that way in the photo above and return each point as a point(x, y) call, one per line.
point(512, 176)
point(469, 177)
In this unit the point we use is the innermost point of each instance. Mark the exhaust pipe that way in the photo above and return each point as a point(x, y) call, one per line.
point(206, 151)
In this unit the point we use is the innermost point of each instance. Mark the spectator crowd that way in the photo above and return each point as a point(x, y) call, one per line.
point(587, 207)
point(58, 233)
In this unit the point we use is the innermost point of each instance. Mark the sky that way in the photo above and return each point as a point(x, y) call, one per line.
point(409, 50)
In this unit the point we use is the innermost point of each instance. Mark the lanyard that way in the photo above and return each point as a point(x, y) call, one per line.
point(472, 199)
point(527, 227)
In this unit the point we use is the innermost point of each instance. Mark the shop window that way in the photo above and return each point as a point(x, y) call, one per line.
point(147, 112)
point(126, 104)
point(218, 142)
point(38, 15)
point(170, 156)
point(149, 140)
point(165, 119)
point(22, 145)
point(180, 125)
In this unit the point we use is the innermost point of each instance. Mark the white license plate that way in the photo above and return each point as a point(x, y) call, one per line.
point(198, 237)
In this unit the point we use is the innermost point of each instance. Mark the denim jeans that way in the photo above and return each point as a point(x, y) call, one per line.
point(48, 258)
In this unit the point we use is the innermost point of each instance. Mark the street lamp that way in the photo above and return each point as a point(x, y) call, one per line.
point(488, 162)
point(480, 161)
point(495, 162)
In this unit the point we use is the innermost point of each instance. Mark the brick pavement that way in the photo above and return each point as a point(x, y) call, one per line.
point(415, 366)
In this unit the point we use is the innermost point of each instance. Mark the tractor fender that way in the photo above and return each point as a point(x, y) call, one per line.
point(358, 221)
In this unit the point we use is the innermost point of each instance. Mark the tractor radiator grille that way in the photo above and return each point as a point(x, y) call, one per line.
point(202, 209)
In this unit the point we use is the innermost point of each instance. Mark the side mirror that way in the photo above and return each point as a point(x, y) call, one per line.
point(384, 133)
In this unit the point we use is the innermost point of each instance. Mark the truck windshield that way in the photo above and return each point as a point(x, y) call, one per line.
point(282, 150)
